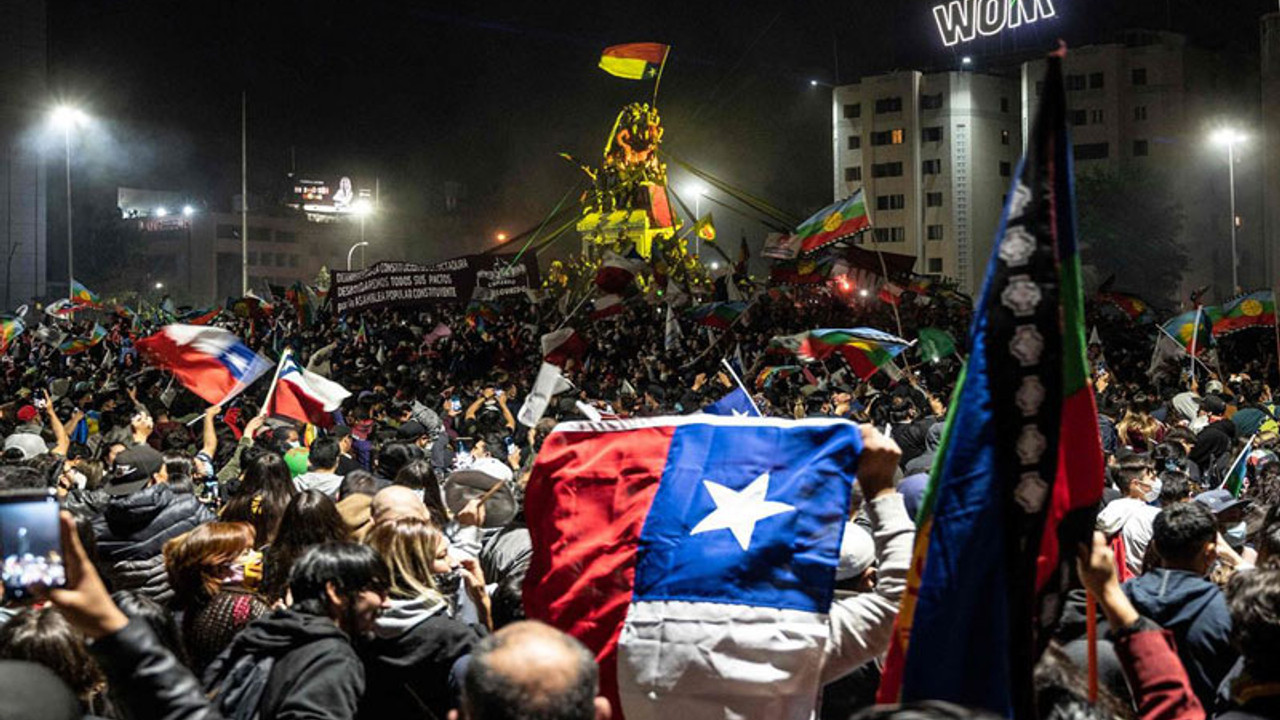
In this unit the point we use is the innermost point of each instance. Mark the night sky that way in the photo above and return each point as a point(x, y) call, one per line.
point(487, 93)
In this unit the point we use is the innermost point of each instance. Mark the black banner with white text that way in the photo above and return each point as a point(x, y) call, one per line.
point(461, 279)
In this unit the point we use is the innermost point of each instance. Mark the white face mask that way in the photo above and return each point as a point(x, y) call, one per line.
point(1154, 493)
point(1235, 535)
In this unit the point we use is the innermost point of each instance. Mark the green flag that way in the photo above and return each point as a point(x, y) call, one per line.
point(936, 344)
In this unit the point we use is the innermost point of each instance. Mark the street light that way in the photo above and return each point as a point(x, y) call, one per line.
point(502, 237)
point(697, 189)
point(66, 119)
point(966, 61)
point(161, 212)
point(352, 250)
point(159, 286)
point(188, 211)
point(363, 209)
point(1230, 137)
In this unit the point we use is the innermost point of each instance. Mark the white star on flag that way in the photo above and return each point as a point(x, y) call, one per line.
point(738, 511)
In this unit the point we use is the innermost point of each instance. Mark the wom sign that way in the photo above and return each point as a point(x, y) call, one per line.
point(963, 20)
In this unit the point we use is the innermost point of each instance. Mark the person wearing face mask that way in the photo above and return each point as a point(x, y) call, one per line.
point(1229, 513)
point(212, 570)
point(1178, 598)
point(1127, 520)
point(337, 590)
point(417, 651)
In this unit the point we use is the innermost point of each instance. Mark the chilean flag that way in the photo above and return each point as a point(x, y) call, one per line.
point(695, 556)
point(303, 395)
point(209, 361)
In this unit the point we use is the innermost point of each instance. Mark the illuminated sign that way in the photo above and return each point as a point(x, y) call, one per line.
point(325, 198)
point(964, 20)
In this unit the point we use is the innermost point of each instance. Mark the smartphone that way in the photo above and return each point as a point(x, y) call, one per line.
point(30, 542)
point(500, 393)
point(456, 404)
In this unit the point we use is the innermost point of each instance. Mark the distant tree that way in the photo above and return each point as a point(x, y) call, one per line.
point(1130, 224)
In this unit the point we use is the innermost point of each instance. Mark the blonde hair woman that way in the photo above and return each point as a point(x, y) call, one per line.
point(417, 640)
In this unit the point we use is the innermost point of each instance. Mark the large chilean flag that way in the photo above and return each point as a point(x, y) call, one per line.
point(209, 361)
point(695, 556)
point(303, 395)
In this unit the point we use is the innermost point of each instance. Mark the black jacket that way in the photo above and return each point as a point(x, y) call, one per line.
point(136, 526)
point(146, 680)
point(316, 674)
point(411, 673)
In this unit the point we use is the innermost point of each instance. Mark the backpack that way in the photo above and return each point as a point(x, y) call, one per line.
point(239, 693)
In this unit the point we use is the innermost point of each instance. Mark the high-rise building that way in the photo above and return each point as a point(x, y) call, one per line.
point(934, 153)
point(23, 71)
point(1150, 104)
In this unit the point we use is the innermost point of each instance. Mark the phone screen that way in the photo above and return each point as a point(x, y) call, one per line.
point(456, 404)
point(31, 543)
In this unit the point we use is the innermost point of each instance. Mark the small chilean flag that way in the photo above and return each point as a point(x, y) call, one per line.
point(209, 361)
point(303, 395)
point(616, 273)
point(695, 556)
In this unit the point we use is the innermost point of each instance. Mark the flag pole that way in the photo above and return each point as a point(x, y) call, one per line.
point(1091, 630)
point(275, 380)
point(1195, 335)
point(1239, 459)
point(576, 308)
point(1276, 325)
point(744, 389)
point(658, 81)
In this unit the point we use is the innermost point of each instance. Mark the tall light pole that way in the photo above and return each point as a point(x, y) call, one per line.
point(1231, 137)
point(362, 209)
point(697, 189)
point(67, 118)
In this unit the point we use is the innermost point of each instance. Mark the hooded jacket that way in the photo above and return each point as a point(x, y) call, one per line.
point(136, 526)
point(1212, 443)
point(1195, 611)
point(411, 660)
point(923, 462)
point(316, 673)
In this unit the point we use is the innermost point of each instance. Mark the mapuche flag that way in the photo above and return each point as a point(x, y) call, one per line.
point(634, 61)
point(865, 349)
point(1191, 328)
point(834, 222)
point(695, 556)
point(1255, 309)
point(1020, 467)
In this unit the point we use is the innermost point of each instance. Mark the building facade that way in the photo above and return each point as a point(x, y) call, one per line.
point(23, 102)
point(934, 154)
point(1150, 104)
point(934, 151)
point(196, 257)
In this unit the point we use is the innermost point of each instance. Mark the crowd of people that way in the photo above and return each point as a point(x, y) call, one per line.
point(222, 563)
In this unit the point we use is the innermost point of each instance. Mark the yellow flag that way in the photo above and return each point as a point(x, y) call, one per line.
point(705, 228)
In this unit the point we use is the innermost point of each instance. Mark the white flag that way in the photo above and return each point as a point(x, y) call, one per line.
point(673, 334)
point(548, 384)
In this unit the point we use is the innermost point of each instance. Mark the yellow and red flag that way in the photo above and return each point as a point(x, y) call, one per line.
point(634, 61)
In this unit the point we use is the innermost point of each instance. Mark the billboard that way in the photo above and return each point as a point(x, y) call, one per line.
point(330, 196)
